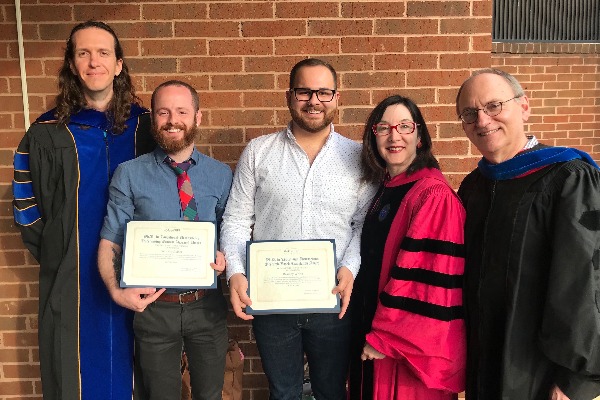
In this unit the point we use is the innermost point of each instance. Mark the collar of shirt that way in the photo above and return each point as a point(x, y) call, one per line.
point(531, 142)
point(161, 157)
point(291, 136)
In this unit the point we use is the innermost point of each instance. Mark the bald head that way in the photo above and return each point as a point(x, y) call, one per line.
point(499, 109)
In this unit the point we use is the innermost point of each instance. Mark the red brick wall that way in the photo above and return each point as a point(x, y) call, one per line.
point(238, 55)
point(563, 85)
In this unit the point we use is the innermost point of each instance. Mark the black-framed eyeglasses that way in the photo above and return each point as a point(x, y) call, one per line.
point(324, 95)
point(403, 128)
point(493, 108)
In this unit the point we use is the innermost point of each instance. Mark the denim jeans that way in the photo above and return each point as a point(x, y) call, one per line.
point(282, 340)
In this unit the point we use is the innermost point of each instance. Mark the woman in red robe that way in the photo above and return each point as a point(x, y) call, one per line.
point(407, 317)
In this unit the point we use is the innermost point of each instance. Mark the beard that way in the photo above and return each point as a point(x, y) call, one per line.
point(310, 125)
point(171, 145)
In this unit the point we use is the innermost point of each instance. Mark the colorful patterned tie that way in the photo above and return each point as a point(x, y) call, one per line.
point(186, 195)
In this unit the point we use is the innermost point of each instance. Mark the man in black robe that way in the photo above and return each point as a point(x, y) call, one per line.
point(532, 236)
point(62, 169)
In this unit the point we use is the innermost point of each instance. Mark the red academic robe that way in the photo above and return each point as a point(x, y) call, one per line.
point(418, 321)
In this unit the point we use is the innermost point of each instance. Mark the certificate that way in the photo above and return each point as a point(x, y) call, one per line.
point(169, 254)
point(291, 276)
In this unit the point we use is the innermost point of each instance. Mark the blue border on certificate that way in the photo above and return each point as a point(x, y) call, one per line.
point(251, 311)
point(122, 283)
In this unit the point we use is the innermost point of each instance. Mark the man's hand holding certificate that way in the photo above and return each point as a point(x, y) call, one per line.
point(169, 254)
point(290, 277)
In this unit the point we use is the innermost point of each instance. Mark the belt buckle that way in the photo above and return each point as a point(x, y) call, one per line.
point(194, 292)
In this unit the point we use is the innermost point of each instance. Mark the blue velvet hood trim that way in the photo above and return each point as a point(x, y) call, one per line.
point(531, 160)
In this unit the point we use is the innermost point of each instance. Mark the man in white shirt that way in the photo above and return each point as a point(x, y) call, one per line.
point(304, 182)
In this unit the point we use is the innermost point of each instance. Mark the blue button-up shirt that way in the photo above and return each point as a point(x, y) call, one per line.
point(146, 189)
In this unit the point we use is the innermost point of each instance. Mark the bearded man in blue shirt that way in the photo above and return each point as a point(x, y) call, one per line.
point(147, 189)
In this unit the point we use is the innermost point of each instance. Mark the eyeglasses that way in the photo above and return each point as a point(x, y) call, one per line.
point(305, 94)
point(493, 108)
point(403, 128)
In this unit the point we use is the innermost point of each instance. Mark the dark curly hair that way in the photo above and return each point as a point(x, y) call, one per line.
point(374, 166)
point(71, 99)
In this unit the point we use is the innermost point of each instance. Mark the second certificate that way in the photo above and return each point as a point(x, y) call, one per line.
point(291, 276)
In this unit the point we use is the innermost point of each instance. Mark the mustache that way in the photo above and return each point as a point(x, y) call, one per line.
point(313, 108)
point(169, 125)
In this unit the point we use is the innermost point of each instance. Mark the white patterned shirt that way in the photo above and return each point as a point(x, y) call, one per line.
point(531, 142)
point(278, 195)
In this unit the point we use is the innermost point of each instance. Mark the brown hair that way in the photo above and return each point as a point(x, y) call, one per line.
point(71, 99)
point(193, 92)
point(374, 166)
point(311, 62)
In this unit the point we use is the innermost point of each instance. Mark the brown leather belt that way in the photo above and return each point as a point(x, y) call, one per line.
point(182, 298)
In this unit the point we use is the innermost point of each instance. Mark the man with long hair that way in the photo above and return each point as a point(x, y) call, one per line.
point(63, 167)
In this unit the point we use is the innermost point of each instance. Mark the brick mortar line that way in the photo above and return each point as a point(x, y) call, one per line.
point(545, 48)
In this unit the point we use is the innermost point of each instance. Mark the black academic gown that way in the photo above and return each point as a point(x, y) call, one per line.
point(60, 194)
point(532, 291)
